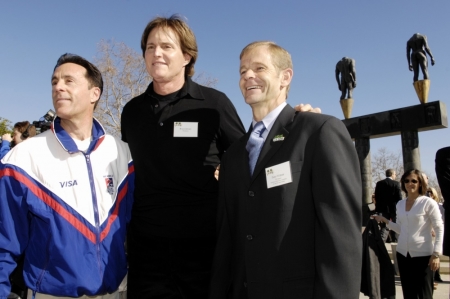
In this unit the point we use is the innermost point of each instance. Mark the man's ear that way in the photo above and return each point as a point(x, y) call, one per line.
point(187, 59)
point(286, 77)
point(95, 94)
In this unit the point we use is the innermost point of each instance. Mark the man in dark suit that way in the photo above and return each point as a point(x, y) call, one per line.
point(292, 227)
point(443, 177)
point(387, 194)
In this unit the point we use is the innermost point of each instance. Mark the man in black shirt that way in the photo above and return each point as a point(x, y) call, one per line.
point(177, 131)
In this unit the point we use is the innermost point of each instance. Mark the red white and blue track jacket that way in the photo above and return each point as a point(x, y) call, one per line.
point(67, 210)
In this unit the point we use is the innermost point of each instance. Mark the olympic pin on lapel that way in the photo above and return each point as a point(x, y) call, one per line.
point(278, 138)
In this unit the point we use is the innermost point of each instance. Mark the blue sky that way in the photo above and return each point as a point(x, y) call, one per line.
point(33, 34)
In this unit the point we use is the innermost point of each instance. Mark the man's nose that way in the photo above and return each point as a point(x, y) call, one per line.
point(157, 51)
point(58, 85)
point(249, 74)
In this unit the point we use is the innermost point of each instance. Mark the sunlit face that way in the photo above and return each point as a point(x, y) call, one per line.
point(72, 97)
point(17, 137)
point(164, 59)
point(260, 81)
point(412, 184)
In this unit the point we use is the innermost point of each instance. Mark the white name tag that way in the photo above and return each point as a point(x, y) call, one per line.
point(278, 175)
point(185, 129)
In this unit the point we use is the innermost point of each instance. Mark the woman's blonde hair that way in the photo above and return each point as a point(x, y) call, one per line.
point(434, 195)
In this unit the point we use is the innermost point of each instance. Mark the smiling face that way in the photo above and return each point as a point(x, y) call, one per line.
point(73, 98)
point(412, 185)
point(164, 59)
point(261, 83)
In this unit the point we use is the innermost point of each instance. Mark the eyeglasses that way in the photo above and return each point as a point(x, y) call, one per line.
point(412, 181)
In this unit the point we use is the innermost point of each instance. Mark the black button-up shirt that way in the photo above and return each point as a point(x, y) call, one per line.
point(176, 192)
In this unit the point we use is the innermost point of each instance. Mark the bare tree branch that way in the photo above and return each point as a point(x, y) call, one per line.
point(124, 77)
point(385, 159)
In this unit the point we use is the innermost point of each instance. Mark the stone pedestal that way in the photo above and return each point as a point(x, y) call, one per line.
point(422, 88)
point(347, 106)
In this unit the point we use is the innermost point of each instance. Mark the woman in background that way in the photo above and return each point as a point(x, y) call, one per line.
point(417, 255)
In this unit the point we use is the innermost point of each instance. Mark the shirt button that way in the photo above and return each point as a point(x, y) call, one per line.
point(161, 124)
point(156, 106)
point(249, 237)
point(251, 193)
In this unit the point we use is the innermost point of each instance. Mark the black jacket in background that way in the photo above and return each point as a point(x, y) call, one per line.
point(387, 194)
point(443, 177)
point(377, 272)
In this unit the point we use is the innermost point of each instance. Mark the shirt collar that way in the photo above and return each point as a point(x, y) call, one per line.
point(270, 118)
point(98, 134)
point(190, 90)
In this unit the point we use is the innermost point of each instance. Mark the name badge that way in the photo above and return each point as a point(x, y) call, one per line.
point(185, 129)
point(278, 175)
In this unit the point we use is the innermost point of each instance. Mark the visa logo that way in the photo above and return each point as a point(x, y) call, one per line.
point(68, 183)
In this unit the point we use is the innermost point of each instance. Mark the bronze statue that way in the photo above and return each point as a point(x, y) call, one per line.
point(418, 45)
point(347, 81)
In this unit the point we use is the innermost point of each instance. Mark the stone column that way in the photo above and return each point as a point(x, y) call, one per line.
point(363, 149)
point(410, 149)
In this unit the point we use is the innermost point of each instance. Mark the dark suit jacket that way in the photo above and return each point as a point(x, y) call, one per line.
point(387, 194)
point(298, 240)
point(377, 273)
point(443, 177)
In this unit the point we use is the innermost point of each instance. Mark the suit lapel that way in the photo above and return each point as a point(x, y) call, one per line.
point(270, 147)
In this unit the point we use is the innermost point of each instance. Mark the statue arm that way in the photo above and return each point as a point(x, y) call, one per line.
point(408, 56)
point(427, 49)
point(353, 72)
point(337, 78)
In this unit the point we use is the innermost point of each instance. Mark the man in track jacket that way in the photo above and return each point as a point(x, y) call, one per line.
point(66, 197)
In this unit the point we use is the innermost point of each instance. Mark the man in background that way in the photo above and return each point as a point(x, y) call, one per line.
point(387, 194)
point(443, 177)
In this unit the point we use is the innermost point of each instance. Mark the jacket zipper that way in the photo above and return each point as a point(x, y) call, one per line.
point(96, 216)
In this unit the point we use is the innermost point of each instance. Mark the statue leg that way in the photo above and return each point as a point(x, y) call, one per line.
point(350, 92)
point(344, 90)
point(424, 67)
point(415, 66)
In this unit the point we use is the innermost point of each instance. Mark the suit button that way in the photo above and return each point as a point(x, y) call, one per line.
point(245, 284)
point(251, 193)
point(249, 237)
point(161, 124)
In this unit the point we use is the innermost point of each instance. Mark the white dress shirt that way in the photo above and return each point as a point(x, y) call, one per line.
point(269, 119)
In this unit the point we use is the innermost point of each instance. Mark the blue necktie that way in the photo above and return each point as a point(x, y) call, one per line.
point(254, 145)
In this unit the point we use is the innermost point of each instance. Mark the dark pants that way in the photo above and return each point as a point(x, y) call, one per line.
point(169, 268)
point(416, 277)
